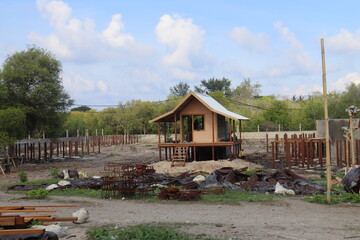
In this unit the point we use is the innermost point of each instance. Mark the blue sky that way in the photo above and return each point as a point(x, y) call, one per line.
point(115, 51)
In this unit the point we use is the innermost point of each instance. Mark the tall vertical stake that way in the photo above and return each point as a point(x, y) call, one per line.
point(327, 137)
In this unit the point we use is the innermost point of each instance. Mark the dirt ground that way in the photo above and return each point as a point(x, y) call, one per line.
point(287, 218)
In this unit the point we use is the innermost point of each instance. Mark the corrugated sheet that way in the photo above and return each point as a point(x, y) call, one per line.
point(217, 107)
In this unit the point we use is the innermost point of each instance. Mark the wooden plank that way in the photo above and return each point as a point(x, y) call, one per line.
point(9, 221)
point(52, 219)
point(21, 231)
point(24, 210)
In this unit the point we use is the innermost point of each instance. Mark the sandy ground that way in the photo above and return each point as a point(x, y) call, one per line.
point(287, 218)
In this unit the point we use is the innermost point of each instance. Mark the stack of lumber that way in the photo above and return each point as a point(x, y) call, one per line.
point(12, 223)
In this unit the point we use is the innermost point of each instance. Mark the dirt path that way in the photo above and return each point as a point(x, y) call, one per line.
point(288, 218)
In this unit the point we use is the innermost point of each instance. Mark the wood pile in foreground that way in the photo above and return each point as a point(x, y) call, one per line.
point(13, 222)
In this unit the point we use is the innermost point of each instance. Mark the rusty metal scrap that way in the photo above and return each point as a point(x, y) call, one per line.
point(127, 180)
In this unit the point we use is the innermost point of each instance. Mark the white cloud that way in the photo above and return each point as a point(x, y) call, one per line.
point(113, 34)
point(245, 38)
point(344, 42)
point(101, 85)
point(298, 60)
point(301, 90)
point(341, 83)
point(74, 82)
point(77, 40)
point(183, 39)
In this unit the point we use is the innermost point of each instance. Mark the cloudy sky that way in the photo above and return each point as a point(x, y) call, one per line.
point(115, 51)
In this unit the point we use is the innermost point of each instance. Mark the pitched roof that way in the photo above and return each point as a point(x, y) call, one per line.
point(209, 102)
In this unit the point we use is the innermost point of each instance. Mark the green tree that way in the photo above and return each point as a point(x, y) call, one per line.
point(214, 85)
point(180, 89)
point(246, 90)
point(33, 80)
point(81, 109)
point(12, 123)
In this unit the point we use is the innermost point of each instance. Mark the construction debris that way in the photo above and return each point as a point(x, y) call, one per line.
point(13, 226)
point(351, 181)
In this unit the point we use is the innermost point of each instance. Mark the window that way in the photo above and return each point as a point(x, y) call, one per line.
point(199, 122)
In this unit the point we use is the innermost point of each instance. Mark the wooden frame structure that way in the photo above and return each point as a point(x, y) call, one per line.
point(217, 137)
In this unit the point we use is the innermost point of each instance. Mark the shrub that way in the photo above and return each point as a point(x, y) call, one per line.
point(40, 193)
point(54, 172)
point(23, 177)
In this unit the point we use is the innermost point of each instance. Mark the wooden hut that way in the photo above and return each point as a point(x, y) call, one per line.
point(201, 129)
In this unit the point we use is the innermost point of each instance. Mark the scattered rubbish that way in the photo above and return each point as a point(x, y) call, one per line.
point(15, 226)
point(351, 181)
point(127, 180)
point(69, 173)
point(55, 228)
point(52, 187)
point(279, 189)
point(82, 215)
point(199, 178)
point(63, 183)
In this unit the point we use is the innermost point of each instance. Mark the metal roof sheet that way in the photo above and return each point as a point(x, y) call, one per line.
point(217, 107)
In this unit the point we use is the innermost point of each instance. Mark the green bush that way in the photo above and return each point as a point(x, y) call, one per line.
point(23, 177)
point(54, 172)
point(40, 193)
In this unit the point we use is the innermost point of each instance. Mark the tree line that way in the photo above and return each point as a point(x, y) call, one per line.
point(33, 101)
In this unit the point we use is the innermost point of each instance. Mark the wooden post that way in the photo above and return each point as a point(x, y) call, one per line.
point(39, 148)
point(99, 143)
point(213, 131)
point(51, 149)
point(267, 143)
point(63, 148)
point(287, 151)
point(57, 149)
point(77, 147)
point(327, 135)
point(45, 151)
point(230, 137)
point(276, 146)
point(320, 153)
point(70, 148)
point(175, 127)
point(357, 151)
point(159, 134)
point(273, 154)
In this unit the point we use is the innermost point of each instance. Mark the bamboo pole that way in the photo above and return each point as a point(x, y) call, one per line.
point(352, 141)
point(327, 135)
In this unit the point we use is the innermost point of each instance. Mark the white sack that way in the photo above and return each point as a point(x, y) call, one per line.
point(82, 215)
point(279, 189)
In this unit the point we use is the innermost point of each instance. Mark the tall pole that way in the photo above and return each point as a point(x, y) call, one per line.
point(352, 141)
point(327, 135)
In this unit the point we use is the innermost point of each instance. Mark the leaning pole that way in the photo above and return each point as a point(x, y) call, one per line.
point(327, 135)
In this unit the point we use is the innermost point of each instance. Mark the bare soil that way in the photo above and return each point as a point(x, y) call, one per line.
point(287, 218)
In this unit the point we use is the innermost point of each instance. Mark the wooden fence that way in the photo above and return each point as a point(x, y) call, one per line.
point(298, 150)
point(44, 149)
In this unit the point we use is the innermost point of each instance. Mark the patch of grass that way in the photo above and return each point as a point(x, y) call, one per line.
point(235, 197)
point(113, 155)
point(80, 192)
point(54, 172)
point(40, 193)
point(38, 182)
point(335, 199)
point(133, 148)
point(139, 232)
